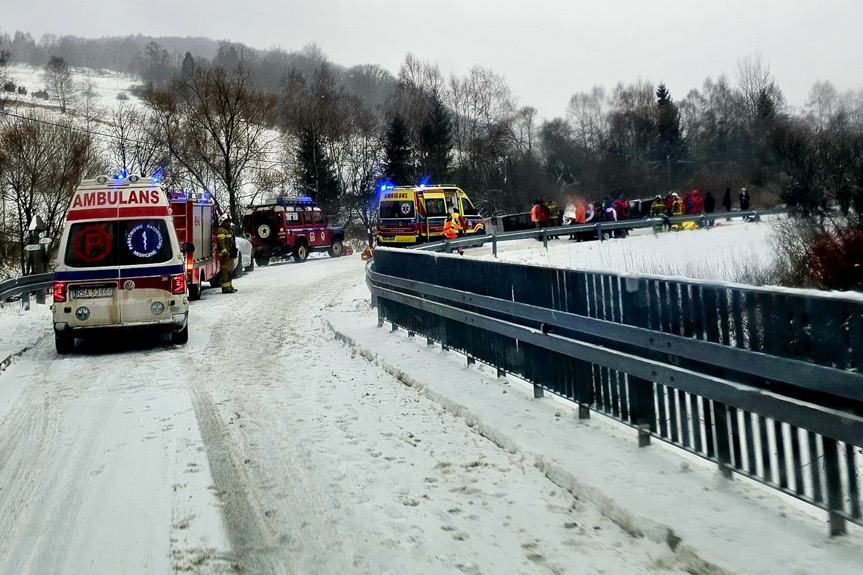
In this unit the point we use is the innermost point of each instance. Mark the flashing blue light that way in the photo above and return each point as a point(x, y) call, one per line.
point(206, 195)
point(119, 175)
point(424, 182)
point(157, 177)
point(386, 185)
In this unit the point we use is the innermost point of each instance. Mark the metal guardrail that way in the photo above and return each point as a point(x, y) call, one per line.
point(24, 286)
point(600, 229)
point(764, 383)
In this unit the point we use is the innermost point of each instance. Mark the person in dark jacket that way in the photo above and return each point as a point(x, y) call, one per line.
point(744, 199)
point(726, 202)
point(709, 208)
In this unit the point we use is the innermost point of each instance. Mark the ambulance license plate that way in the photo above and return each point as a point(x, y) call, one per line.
point(92, 292)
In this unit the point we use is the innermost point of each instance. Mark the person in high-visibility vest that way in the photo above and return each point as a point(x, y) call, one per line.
point(227, 252)
point(452, 227)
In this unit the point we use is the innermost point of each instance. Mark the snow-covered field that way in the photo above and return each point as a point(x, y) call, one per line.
point(270, 445)
point(720, 253)
point(105, 85)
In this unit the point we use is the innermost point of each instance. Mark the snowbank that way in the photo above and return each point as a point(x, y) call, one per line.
point(20, 330)
point(661, 493)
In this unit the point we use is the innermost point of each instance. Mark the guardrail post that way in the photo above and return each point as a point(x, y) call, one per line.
point(25, 301)
point(583, 411)
point(429, 341)
point(501, 372)
point(538, 391)
point(599, 231)
point(394, 327)
point(832, 474)
point(544, 238)
point(494, 245)
point(380, 317)
point(470, 360)
point(411, 334)
point(642, 408)
point(446, 247)
point(643, 435)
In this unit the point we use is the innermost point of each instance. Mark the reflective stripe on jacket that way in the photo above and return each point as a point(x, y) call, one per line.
point(451, 228)
point(224, 241)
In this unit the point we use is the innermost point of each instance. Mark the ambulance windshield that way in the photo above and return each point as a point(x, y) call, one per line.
point(124, 242)
point(396, 209)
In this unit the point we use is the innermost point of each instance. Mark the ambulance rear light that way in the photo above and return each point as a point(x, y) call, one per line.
point(178, 284)
point(59, 291)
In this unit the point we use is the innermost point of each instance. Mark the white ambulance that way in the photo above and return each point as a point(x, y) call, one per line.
point(120, 265)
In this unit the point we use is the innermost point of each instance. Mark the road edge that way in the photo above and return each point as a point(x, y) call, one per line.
point(636, 526)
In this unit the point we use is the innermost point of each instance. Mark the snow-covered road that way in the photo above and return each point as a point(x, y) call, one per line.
point(264, 446)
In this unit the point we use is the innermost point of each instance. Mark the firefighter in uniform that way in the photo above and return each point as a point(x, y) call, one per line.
point(227, 252)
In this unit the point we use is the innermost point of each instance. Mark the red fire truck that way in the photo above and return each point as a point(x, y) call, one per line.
point(196, 223)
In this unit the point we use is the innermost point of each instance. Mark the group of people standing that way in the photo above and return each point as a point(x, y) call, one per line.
point(578, 211)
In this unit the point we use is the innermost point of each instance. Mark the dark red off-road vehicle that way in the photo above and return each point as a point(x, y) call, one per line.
point(291, 227)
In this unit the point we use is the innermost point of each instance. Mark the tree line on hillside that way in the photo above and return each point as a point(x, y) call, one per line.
point(250, 124)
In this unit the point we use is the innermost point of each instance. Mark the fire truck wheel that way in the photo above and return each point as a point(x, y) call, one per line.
point(336, 249)
point(262, 260)
point(180, 337)
point(64, 345)
point(194, 291)
point(301, 252)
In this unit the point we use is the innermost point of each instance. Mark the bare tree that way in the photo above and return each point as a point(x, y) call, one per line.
point(5, 57)
point(823, 104)
point(755, 83)
point(58, 76)
point(43, 162)
point(587, 115)
point(215, 125)
point(135, 147)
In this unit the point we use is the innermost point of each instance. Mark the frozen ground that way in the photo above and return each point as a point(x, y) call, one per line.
point(107, 85)
point(19, 330)
point(719, 253)
point(269, 445)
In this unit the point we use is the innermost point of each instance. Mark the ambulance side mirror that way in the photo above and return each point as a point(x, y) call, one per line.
point(188, 248)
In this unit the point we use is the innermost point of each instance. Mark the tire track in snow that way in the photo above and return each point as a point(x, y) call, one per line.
point(251, 541)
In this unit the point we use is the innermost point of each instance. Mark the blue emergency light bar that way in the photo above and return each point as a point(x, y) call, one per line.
point(296, 201)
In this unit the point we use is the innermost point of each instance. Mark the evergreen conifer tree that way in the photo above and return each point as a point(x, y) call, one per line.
point(399, 166)
point(436, 142)
point(669, 139)
point(188, 67)
point(317, 178)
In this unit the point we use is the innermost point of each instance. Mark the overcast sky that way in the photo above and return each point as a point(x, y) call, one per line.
point(546, 49)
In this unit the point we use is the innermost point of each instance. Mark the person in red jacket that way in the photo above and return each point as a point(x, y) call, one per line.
point(539, 214)
point(697, 202)
point(669, 203)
